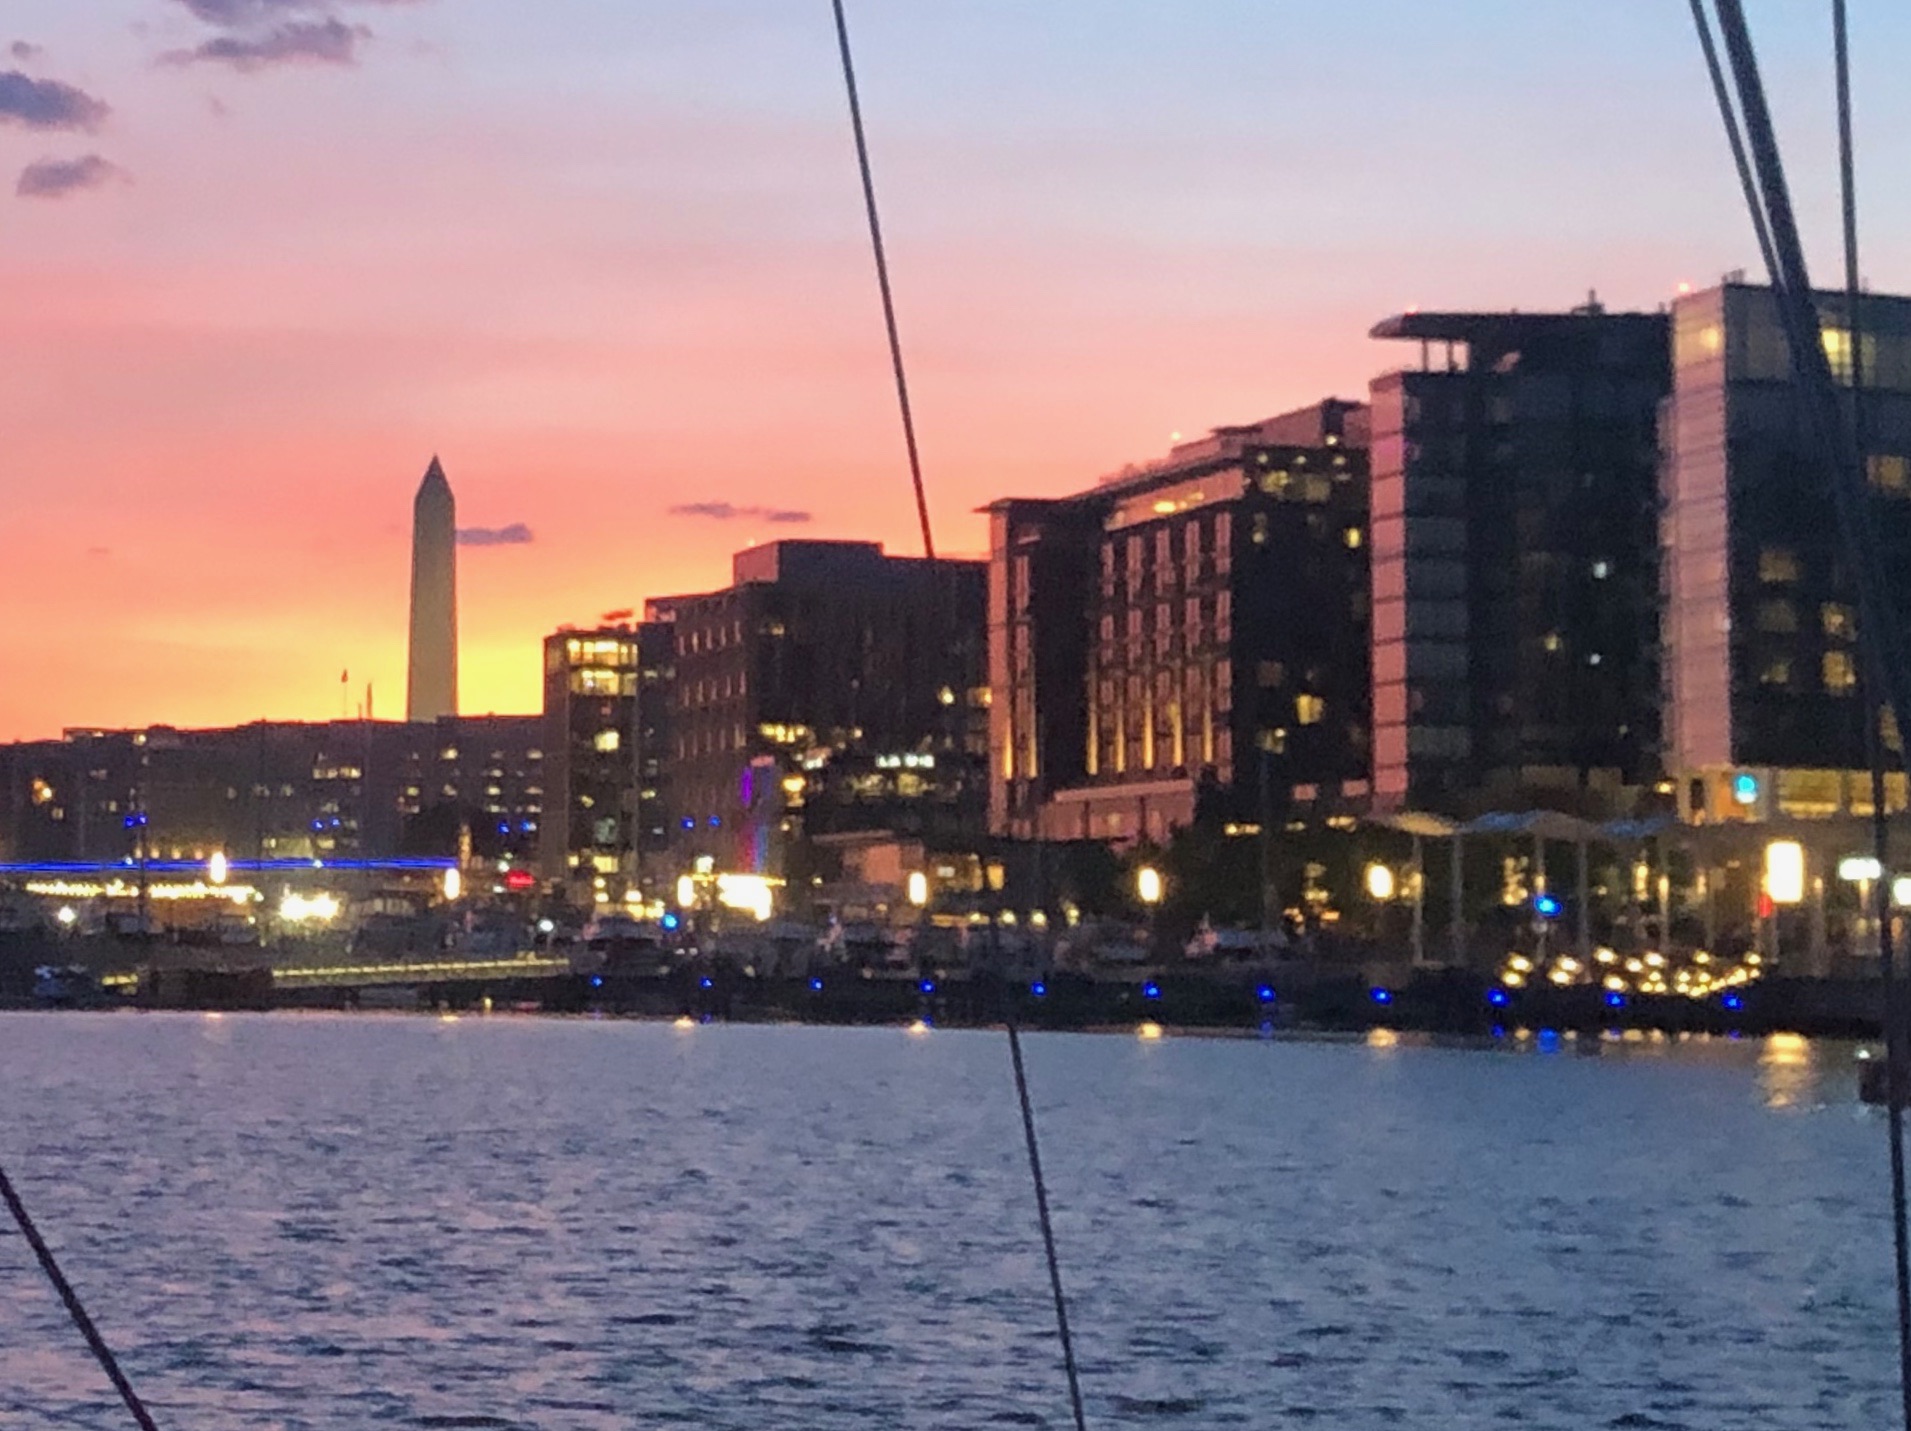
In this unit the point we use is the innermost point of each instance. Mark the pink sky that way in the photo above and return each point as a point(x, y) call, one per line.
point(606, 258)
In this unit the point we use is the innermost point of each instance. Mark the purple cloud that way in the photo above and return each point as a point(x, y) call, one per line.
point(48, 104)
point(23, 51)
point(515, 535)
point(56, 178)
point(300, 42)
point(730, 512)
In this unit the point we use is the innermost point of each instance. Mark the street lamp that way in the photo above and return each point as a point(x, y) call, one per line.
point(1784, 881)
point(918, 888)
point(1380, 882)
point(454, 883)
point(1148, 887)
point(217, 868)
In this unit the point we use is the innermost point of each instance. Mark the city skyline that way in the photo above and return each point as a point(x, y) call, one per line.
point(668, 347)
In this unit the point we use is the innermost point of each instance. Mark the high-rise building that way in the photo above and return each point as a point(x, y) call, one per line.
point(1515, 561)
point(1184, 636)
point(605, 715)
point(431, 688)
point(829, 687)
point(1764, 711)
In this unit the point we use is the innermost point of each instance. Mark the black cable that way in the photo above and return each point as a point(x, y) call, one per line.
point(1753, 203)
point(74, 1309)
point(1875, 706)
point(1048, 1230)
point(929, 552)
point(882, 282)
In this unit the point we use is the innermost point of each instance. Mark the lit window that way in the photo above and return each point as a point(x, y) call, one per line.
point(1777, 565)
point(1601, 569)
point(1353, 536)
point(606, 740)
point(1890, 474)
point(1551, 641)
point(1840, 675)
point(1776, 673)
point(1840, 621)
point(1308, 709)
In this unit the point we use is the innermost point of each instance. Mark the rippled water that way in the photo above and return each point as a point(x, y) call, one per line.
point(342, 1222)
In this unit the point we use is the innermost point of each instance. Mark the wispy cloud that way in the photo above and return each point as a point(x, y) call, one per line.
point(299, 42)
point(56, 178)
point(730, 512)
point(23, 51)
point(48, 104)
point(263, 34)
point(515, 535)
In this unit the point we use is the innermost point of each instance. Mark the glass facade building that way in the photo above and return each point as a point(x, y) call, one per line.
point(1762, 677)
point(1515, 561)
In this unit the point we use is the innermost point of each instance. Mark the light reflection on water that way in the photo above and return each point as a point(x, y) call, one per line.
point(343, 1222)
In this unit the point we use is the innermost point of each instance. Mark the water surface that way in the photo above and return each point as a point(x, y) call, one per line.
point(367, 1221)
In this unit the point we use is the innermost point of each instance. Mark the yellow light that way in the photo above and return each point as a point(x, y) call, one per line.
point(216, 867)
point(1571, 966)
point(684, 1021)
point(1655, 960)
point(1148, 884)
point(1785, 871)
point(1512, 978)
point(686, 892)
point(1901, 891)
point(1560, 976)
point(1615, 983)
point(454, 883)
point(1858, 869)
point(1148, 1031)
point(920, 1026)
point(1701, 957)
point(1380, 882)
point(308, 909)
point(1605, 956)
point(1633, 966)
point(66, 915)
point(1521, 963)
point(918, 888)
point(753, 894)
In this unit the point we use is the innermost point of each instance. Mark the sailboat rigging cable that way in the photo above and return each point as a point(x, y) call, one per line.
point(74, 1307)
point(882, 282)
point(929, 552)
point(1886, 669)
point(1875, 707)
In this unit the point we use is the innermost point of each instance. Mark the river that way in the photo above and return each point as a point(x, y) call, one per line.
point(346, 1221)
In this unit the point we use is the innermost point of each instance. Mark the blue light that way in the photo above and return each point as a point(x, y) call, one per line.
point(1546, 906)
point(816, 986)
point(1745, 788)
point(1499, 998)
point(1615, 1000)
point(688, 823)
point(597, 981)
point(1265, 993)
point(670, 921)
point(1733, 1001)
point(705, 982)
point(1499, 1030)
point(928, 986)
point(504, 827)
point(1381, 996)
point(1151, 990)
point(715, 822)
point(1038, 988)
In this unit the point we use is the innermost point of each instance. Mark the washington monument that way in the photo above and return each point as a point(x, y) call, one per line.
point(431, 688)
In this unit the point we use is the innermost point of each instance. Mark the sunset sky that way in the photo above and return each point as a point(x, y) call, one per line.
point(260, 259)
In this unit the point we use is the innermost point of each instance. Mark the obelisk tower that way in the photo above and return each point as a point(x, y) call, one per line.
point(431, 690)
